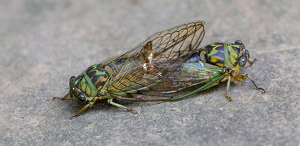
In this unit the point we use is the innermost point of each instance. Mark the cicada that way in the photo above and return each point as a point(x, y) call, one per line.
point(207, 67)
point(160, 67)
point(134, 75)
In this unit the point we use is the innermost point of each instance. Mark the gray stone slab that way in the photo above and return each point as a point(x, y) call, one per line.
point(44, 43)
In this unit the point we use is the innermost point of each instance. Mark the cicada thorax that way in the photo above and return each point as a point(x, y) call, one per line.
point(90, 82)
point(229, 55)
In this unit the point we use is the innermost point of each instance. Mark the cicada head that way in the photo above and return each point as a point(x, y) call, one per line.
point(85, 86)
point(244, 54)
point(75, 92)
point(229, 55)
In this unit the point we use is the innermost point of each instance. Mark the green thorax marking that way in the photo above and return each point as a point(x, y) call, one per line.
point(94, 78)
point(93, 90)
point(231, 56)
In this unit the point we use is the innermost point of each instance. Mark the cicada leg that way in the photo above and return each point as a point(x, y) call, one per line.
point(90, 104)
point(120, 106)
point(251, 62)
point(227, 89)
point(62, 98)
point(241, 77)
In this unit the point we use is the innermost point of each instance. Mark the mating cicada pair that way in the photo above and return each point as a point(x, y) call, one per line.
point(161, 66)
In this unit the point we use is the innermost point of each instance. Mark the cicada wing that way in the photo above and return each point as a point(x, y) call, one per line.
point(185, 76)
point(136, 69)
point(169, 44)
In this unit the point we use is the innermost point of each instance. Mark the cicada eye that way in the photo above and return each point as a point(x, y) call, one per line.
point(72, 79)
point(238, 42)
point(80, 96)
point(242, 61)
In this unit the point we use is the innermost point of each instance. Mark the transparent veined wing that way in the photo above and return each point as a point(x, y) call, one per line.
point(135, 70)
point(186, 75)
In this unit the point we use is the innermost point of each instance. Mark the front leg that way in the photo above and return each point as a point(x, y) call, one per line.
point(90, 104)
point(241, 77)
point(61, 98)
point(251, 62)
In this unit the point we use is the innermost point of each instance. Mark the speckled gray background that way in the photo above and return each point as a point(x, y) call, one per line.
point(44, 43)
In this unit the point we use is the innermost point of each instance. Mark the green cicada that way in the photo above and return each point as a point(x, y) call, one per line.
point(205, 68)
point(161, 66)
point(134, 75)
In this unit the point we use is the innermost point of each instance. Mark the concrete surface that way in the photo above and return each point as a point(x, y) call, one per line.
point(44, 43)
